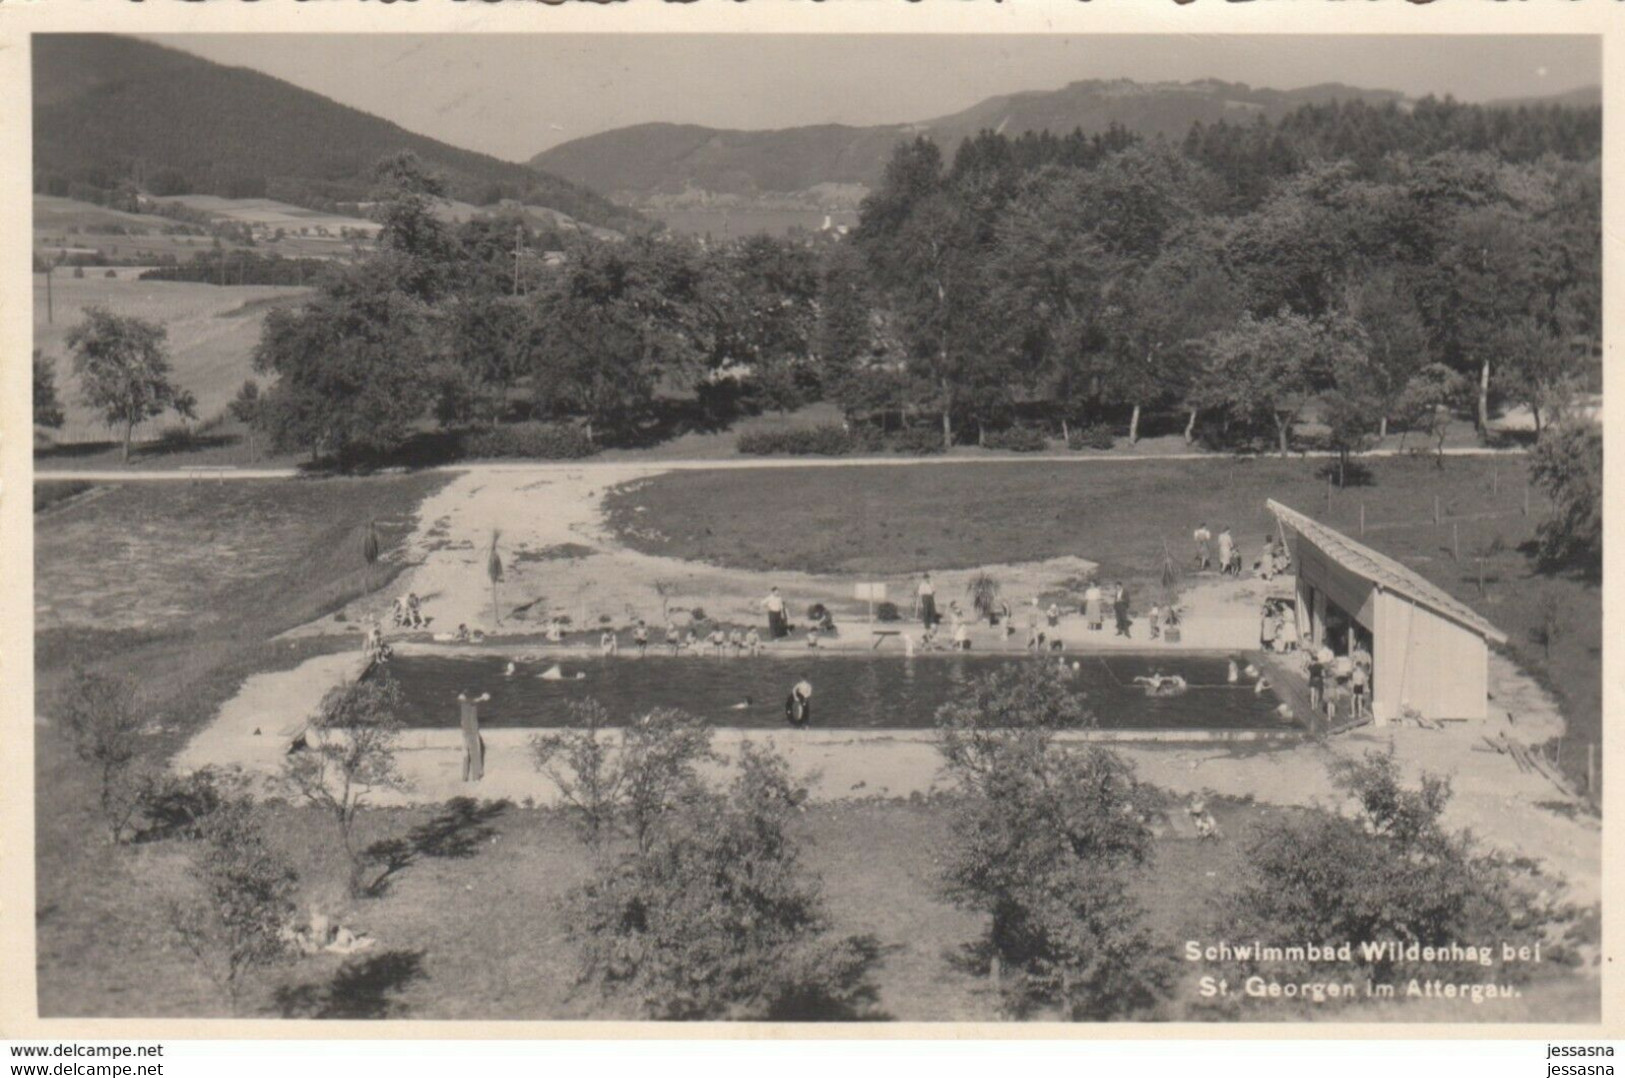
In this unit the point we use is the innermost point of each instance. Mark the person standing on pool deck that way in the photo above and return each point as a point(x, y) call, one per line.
point(640, 638)
point(468, 715)
point(778, 627)
point(798, 705)
point(1204, 549)
point(1120, 608)
point(925, 602)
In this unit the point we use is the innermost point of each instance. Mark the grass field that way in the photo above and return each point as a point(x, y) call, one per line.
point(900, 519)
point(212, 334)
point(227, 567)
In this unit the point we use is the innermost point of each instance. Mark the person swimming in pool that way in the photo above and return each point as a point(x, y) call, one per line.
point(798, 705)
point(1160, 684)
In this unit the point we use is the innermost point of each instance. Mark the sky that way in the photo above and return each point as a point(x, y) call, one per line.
point(514, 95)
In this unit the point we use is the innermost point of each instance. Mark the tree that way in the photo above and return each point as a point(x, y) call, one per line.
point(717, 918)
point(1429, 403)
point(631, 789)
point(1397, 345)
point(123, 369)
point(1567, 465)
point(1351, 411)
point(245, 409)
point(100, 715)
point(1271, 368)
point(350, 752)
point(1541, 368)
point(619, 321)
point(354, 364)
point(405, 196)
point(1389, 871)
point(236, 918)
point(47, 406)
point(1043, 840)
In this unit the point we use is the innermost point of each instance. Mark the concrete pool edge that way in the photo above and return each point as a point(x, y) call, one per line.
point(449, 739)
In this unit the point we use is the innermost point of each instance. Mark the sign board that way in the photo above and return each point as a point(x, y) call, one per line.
point(874, 593)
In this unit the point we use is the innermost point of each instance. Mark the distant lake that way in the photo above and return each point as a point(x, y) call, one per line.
point(724, 224)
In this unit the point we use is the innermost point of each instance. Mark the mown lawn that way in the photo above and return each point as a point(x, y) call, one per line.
point(205, 576)
point(480, 936)
point(1124, 515)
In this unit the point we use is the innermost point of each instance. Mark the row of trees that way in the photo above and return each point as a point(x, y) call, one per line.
point(1127, 285)
point(1058, 279)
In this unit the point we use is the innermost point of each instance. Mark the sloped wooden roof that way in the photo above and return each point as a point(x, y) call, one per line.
point(1384, 571)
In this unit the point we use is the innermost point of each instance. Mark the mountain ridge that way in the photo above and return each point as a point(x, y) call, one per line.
point(110, 109)
point(661, 159)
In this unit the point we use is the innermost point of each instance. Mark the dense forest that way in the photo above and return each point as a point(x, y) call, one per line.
point(113, 113)
point(1370, 264)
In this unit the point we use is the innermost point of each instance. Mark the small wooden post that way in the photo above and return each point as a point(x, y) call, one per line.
point(1591, 770)
point(1436, 517)
point(1362, 518)
point(1495, 479)
point(1328, 494)
point(1455, 540)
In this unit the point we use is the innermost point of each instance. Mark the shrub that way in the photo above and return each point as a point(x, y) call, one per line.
point(1043, 839)
point(827, 440)
point(1390, 872)
point(176, 806)
point(1018, 440)
point(606, 790)
point(1567, 464)
point(1094, 436)
point(112, 274)
point(542, 441)
point(351, 752)
point(717, 919)
point(916, 441)
point(99, 714)
point(234, 922)
point(886, 610)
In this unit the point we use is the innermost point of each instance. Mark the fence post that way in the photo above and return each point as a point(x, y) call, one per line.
point(1495, 479)
point(1435, 510)
point(1362, 518)
point(1455, 540)
point(1328, 494)
point(1591, 770)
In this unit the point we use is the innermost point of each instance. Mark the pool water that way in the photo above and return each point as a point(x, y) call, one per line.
point(849, 691)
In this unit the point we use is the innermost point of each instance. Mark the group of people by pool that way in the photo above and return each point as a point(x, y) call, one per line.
point(1224, 553)
point(1337, 681)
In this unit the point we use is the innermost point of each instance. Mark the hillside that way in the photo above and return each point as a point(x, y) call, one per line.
point(110, 109)
point(650, 159)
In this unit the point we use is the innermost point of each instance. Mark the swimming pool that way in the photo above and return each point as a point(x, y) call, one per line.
point(849, 691)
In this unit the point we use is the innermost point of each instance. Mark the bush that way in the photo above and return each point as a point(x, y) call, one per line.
point(351, 752)
point(99, 714)
point(542, 441)
point(606, 792)
point(1094, 436)
point(235, 920)
point(1043, 840)
point(886, 610)
point(1567, 464)
point(717, 919)
point(1018, 440)
point(176, 806)
point(1390, 872)
point(112, 274)
point(827, 440)
point(916, 441)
